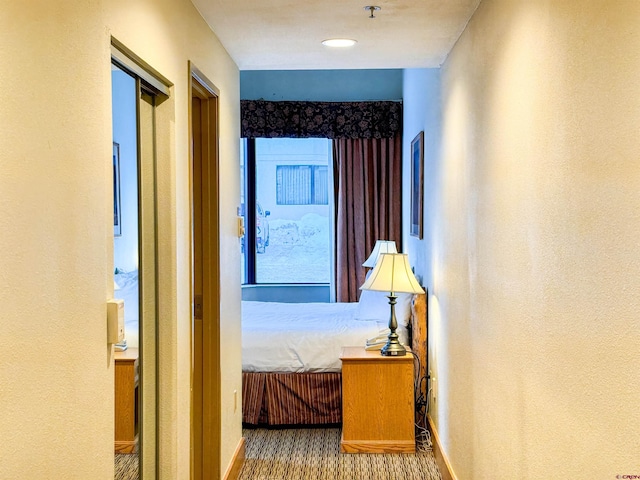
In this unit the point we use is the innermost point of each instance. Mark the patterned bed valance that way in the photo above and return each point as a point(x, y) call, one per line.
point(265, 119)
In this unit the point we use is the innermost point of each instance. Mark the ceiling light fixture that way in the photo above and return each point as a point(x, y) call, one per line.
point(339, 42)
point(372, 8)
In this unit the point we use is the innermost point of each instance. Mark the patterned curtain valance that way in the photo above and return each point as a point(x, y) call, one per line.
point(261, 118)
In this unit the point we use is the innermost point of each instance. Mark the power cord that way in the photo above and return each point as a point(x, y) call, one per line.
point(423, 436)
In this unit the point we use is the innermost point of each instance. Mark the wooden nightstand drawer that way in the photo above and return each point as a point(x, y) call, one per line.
point(377, 402)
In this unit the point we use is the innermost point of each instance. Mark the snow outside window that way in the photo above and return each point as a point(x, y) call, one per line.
point(293, 211)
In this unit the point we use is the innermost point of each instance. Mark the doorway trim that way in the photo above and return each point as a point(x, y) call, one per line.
point(205, 276)
point(129, 61)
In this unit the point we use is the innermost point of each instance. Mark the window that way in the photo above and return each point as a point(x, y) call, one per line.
point(286, 184)
point(302, 185)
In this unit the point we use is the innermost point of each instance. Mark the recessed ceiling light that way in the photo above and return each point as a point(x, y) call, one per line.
point(339, 42)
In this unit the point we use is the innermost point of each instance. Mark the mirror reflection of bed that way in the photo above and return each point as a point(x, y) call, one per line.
point(290, 353)
point(126, 288)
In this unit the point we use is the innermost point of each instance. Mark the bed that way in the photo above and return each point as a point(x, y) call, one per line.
point(291, 366)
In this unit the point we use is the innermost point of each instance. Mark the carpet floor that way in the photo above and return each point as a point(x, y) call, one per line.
point(126, 466)
point(314, 454)
point(311, 454)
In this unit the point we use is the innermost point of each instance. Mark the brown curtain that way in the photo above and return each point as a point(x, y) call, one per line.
point(368, 189)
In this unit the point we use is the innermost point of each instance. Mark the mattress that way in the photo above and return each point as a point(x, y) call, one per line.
point(303, 337)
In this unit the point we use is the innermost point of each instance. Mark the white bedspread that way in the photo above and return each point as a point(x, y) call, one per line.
point(301, 337)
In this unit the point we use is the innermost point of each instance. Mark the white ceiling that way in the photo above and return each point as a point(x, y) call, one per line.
point(286, 34)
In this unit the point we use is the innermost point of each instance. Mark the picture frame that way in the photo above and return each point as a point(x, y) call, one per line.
point(117, 210)
point(417, 184)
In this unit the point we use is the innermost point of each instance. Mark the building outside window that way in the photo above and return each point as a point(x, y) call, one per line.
point(302, 185)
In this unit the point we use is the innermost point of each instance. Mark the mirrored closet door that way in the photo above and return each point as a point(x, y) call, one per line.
point(135, 94)
point(126, 258)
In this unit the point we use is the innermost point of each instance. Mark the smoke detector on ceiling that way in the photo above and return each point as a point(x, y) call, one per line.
point(372, 8)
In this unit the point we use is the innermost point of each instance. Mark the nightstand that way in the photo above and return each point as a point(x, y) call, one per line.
point(126, 400)
point(377, 402)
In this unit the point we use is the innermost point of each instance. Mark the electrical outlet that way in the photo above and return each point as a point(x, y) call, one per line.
point(434, 386)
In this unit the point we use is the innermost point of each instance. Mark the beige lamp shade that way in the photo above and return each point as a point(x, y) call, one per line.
point(392, 273)
point(381, 246)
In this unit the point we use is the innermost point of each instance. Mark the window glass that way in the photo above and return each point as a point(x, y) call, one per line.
point(242, 211)
point(301, 185)
point(292, 211)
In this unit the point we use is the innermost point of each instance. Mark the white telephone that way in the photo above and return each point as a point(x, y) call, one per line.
point(376, 343)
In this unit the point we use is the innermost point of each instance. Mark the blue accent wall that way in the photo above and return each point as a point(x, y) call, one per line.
point(125, 246)
point(421, 112)
point(321, 85)
point(286, 293)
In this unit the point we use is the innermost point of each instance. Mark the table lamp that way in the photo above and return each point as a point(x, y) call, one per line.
point(381, 246)
point(392, 273)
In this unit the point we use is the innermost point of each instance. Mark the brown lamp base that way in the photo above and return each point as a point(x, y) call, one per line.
point(393, 349)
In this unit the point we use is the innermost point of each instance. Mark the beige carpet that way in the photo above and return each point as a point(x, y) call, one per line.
point(310, 454)
point(126, 466)
point(314, 454)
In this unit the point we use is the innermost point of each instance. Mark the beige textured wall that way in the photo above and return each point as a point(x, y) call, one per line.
point(535, 318)
point(56, 375)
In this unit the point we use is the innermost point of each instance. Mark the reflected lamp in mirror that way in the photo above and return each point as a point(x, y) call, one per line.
point(381, 246)
point(392, 274)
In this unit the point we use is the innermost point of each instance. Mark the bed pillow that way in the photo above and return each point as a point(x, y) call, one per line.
point(375, 306)
point(127, 283)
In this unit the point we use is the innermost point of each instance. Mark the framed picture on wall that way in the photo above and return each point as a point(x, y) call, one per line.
point(417, 175)
point(117, 216)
